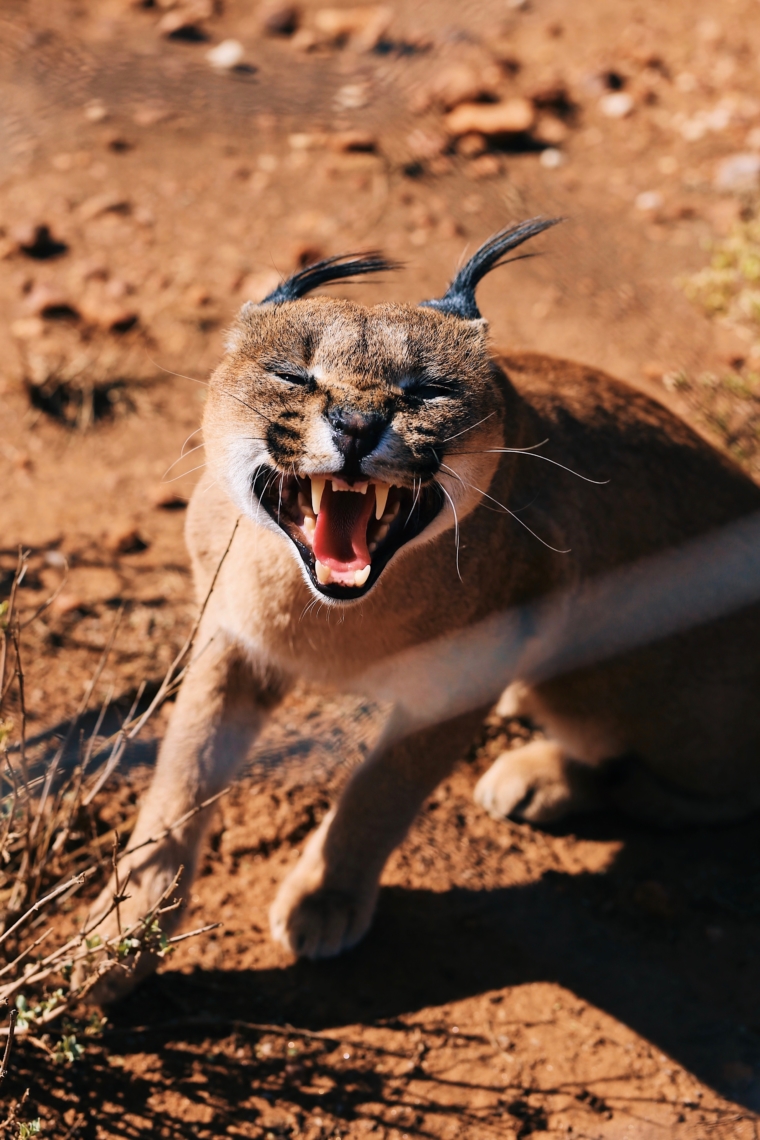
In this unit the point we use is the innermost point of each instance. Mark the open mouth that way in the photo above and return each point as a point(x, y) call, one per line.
point(346, 533)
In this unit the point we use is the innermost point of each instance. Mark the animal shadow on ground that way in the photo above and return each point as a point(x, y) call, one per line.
point(675, 956)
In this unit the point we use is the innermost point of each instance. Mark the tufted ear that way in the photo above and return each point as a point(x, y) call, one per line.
point(459, 298)
point(339, 268)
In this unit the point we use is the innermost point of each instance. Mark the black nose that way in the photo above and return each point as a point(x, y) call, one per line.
point(356, 433)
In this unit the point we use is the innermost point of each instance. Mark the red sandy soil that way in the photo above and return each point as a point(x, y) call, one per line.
point(597, 980)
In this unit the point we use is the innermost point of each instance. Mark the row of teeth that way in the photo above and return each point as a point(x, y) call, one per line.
point(318, 484)
point(324, 575)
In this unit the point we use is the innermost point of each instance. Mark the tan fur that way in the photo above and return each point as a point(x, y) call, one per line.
point(685, 711)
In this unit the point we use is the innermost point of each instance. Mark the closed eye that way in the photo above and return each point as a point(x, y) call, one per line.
point(288, 376)
point(423, 388)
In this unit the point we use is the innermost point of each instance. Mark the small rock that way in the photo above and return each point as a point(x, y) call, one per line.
point(48, 302)
point(96, 111)
point(27, 328)
point(111, 317)
point(164, 498)
point(362, 28)
point(344, 142)
point(279, 19)
point(738, 172)
point(471, 145)
point(107, 203)
point(649, 200)
point(551, 158)
point(513, 117)
point(462, 83)
point(550, 130)
point(352, 97)
point(37, 241)
point(424, 145)
point(185, 18)
point(226, 55)
point(487, 166)
point(307, 140)
point(125, 540)
point(149, 114)
point(66, 603)
point(616, 104)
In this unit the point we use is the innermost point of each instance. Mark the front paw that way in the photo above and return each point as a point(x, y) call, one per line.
point(314, 914)
point(535, 783)
point(128, 939)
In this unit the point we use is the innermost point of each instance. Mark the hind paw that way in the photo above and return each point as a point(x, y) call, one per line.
point(536, 783)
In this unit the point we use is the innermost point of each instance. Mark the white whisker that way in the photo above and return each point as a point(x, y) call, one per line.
point(471, 428)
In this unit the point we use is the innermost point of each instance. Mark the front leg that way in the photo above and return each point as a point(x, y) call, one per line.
point(221, 707)
point(326, 903)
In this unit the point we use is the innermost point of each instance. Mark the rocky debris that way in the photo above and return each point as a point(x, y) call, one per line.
point(514, 116)
point(185, 20)
point(125, 539)
point(227, 55)
point(165, 498)
point(51, 303)
point(460, 83)
point(356, 141)
point(738, 173)
point(37, 241)
point(616, 104)
point(424, 145)
point(550, 130)
point(107, 203)
point(649, 201)
point(359, 28)
point(95, 111)
point(278, 19)
point(149, 114)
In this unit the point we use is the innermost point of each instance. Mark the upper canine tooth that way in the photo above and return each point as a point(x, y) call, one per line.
point(361, 576)
point(317, 489)
point(381, 498)
point(324, 573)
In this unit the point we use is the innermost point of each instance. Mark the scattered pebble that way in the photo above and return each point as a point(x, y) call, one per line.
point(280, 19)
point(226, 55)
point(95, 111)
point(551, 158)
point(462, 83)
point(126, 540)
point(738, 172)
point(352, 97)
point(165, 498)
point(345, 142)
point(37, 241)
point(49, 302)
point(550, 130)
point(423, 145)
point(362, 28)
point(472, 144)
point(515, 116)
point(616, 104)
point(106, 203)
point(185, 18)
point(649, 200)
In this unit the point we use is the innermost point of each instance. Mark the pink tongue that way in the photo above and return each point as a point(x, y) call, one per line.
point(340, 538)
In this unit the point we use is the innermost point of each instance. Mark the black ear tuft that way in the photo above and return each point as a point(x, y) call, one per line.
point(459, 298)
point(323, 272)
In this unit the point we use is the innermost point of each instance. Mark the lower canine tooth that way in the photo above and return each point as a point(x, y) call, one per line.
point(309, 525)
point(324, 573)
point(361, 576)
point(317, 488)
point(381, 498)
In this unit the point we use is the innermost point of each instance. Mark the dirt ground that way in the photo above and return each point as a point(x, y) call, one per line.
point(597, 980)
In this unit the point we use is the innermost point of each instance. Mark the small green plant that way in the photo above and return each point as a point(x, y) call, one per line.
point(729, 287)
point(67, 1051)
point(29, 1128)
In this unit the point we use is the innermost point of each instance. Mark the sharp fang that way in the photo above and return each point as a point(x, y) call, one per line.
point(381, 498)
point(309, 526)
point(317, 489)
point(361, 576)
point(324, 573)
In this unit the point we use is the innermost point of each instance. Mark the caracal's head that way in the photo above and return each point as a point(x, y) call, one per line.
point(356, 433)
